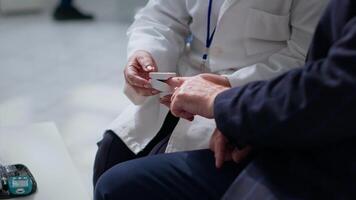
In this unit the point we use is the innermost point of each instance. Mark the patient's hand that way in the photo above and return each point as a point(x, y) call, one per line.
point(223, 151)
point(137, 70)
point(195, 95)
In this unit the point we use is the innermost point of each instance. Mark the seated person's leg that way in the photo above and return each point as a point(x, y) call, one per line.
point(183, 175)
point(112, 150)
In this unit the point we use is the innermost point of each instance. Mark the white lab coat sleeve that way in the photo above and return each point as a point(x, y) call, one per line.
point(304, 16)
point(160, 28)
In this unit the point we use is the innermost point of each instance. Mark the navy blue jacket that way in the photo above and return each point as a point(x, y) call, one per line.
point(303, 123)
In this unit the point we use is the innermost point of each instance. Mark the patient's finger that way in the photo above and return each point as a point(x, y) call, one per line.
point(186, 115)
point(213, 140)
point(229, 150)
point(166, 102)
point(177, 112)
point(167, 98)
point(176, 81)
point(219, 152)
point(240, 155)
point(175, 107)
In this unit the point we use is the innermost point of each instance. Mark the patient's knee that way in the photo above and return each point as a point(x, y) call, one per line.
point(117, 183)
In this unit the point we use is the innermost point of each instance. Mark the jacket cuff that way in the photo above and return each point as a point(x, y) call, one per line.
point(227, 121)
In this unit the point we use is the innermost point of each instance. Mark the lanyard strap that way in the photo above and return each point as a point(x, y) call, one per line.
point(209, 37)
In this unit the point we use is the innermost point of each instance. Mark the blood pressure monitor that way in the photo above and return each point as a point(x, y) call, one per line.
point(16, 181)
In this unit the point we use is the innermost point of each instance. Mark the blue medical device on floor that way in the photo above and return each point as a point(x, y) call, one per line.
point(16, 181)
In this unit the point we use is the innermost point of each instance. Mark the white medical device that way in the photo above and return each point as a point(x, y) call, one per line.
point(157, 82)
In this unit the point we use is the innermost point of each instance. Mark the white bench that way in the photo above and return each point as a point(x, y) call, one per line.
point(41, 149)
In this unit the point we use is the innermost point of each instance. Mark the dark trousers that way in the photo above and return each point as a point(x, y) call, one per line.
point(121, 174)
point(183, 175)
point(112, 150)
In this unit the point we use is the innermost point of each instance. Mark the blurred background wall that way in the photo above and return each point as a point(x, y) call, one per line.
point(69, 73)
point(121, 10)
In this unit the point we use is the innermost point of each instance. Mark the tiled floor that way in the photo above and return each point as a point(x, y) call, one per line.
point(69, 73)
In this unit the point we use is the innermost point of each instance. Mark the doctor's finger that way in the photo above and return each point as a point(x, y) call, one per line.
point(135, 80)
point(146, 61)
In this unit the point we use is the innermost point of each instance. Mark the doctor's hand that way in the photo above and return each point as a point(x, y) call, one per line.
point(223, 151)
point(137, 70)
point(195, 95)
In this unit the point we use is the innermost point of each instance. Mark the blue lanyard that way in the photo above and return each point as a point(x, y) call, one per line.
point(209, 37)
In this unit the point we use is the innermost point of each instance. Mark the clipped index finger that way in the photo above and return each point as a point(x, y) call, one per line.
point(176, 81)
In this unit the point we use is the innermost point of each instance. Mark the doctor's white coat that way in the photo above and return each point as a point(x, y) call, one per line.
point(254, 40)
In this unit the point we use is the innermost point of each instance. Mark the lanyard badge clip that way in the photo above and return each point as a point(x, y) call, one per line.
point(209, 40)
point(204, 62)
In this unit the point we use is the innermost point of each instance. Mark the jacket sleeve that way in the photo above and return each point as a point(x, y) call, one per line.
point(306, 107)
point(160, 28)
point(304, 16)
